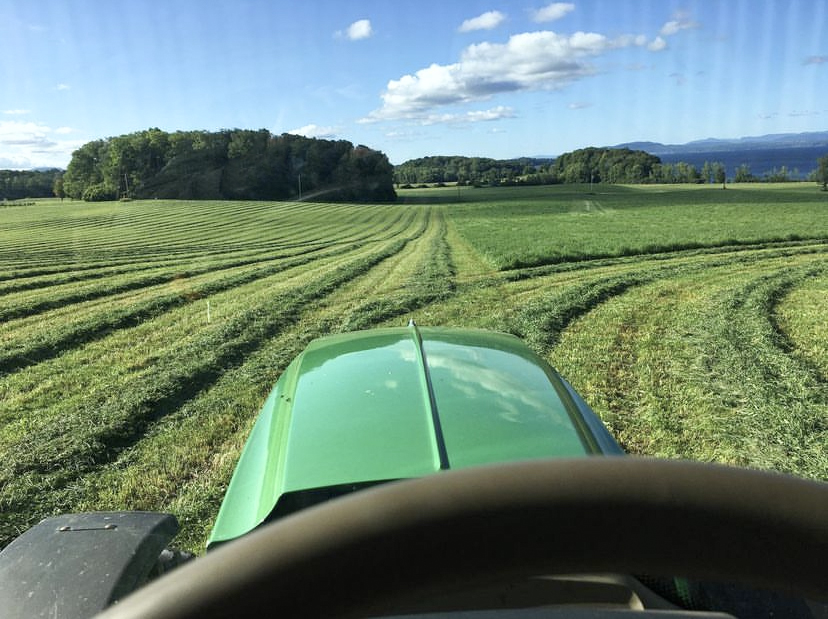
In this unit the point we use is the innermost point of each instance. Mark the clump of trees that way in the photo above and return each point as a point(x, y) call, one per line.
point(20, 184)
point(236, 164)
point(606, 165)
point(467, 170)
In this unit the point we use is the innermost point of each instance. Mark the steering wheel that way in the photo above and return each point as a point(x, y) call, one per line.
point(357, 555)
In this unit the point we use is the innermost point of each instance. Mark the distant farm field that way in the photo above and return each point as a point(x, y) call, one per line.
point(139, 339)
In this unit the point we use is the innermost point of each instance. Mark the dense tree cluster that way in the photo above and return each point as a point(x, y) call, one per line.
point(230, 164)
point(605, 165)
point(467, 170)
point(19, 184)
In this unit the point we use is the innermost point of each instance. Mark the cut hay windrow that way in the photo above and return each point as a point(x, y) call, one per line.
point(139, 339)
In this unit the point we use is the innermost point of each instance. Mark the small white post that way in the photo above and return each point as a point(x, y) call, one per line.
point(208, 311)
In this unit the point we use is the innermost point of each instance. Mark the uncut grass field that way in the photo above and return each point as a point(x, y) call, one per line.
point(139, 339)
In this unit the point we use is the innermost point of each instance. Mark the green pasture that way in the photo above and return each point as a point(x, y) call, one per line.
point(545, 225)
point(138, 339)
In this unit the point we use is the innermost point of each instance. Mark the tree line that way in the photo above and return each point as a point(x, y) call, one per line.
point(586, 165)
point(21, 184)
point(255, 165)
point(236, 164)
point(466, 170)
point(598, 165)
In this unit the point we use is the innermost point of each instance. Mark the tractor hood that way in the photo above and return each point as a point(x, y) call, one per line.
point(372, 406)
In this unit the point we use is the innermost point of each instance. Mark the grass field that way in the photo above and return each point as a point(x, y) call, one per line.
point(138, 339)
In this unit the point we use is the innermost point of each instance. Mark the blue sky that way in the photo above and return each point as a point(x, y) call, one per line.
point(495, 78)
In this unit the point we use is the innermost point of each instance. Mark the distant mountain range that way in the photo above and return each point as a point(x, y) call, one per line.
point(798, 152)
point(812, 139)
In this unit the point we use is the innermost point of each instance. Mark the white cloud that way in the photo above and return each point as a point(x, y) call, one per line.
point(680, 21)
point(657, 44)
point(17, 112)
point(27, 144)
point(552, 12)
point(815, 60)
point(403, 135)
point(315, 131)
point(63, 87)
point(64, 130)
point(579, 105)
point(496, 113)
point(360, 29)
point(530, 61)
point(627, 40)
point(486, 21)
point(14, 132)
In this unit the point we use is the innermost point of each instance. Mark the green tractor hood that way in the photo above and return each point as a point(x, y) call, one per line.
point(366, 407)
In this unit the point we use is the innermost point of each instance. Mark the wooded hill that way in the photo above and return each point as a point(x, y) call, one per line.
point(227, 165)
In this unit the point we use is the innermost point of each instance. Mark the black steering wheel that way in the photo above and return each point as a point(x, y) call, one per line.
point(357, 555)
